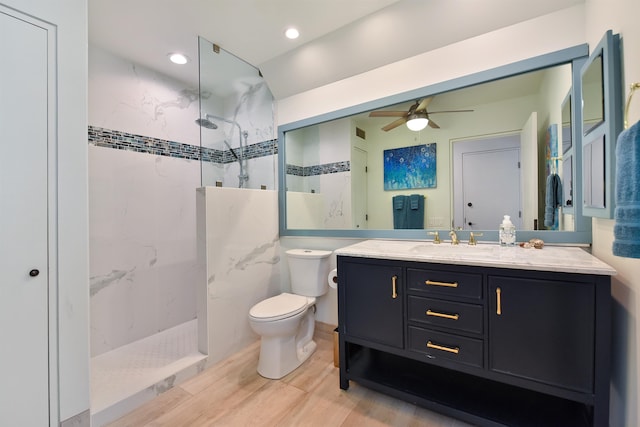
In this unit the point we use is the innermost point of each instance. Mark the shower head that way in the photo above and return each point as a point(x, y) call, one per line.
point(206, 123)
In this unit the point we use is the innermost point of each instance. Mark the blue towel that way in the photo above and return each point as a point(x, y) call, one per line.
point(626, 230)
point(415, 213)
point(553, 199)
point(400, 212)
point(398, 202)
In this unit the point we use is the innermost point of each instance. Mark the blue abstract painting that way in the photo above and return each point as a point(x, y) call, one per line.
point(410, 167)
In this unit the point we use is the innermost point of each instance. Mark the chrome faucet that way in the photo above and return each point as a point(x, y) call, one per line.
point(454, 237)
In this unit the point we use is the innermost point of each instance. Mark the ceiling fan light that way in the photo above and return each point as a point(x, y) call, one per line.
point(417, 121)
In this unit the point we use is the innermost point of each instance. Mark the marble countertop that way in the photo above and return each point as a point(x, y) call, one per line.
point(567, 259)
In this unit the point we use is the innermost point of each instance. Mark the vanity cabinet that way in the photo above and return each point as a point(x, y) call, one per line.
point(491, 346)
point(380, 319)
point(543, 330)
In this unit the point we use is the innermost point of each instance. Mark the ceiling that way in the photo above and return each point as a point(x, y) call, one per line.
point(339, 38)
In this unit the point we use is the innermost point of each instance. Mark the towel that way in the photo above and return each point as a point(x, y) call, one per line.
point(626, 229)
point(398, 202)
point(415, 213)
point(553, 199)
point(400, 212)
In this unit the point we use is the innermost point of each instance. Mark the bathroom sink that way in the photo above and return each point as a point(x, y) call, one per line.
point(446, 249)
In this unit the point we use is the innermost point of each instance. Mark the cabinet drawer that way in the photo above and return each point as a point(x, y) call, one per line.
point(443, 282)
point(446, 314)
point(443, 346)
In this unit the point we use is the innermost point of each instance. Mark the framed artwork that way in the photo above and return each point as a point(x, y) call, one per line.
point(410, 167)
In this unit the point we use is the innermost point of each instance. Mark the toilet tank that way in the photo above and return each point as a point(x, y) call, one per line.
point(308, 270)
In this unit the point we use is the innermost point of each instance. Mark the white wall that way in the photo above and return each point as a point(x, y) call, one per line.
point(70, 18)
point(494, 49)
point(621, 16)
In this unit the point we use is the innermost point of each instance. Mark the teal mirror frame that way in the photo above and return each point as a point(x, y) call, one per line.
point(576, 55)
point(608, 129)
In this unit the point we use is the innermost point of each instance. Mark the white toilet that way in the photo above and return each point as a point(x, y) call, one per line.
point(286, 322)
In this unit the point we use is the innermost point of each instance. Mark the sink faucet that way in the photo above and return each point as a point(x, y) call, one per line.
point(454, 237)
point(472, 238)
point(436, 237)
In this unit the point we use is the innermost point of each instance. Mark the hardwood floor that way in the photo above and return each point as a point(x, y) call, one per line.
point(232, 393)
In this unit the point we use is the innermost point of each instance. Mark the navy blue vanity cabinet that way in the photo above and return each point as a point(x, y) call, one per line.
point(375, 295)
point(445, 313)
point(490, 346)
point(552, 331)
point(543, 330)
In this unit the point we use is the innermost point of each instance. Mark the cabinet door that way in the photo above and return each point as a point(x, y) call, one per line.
point(373, 302)
point(542, 330)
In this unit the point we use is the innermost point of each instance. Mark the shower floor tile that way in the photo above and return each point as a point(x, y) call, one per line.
point(140, 370)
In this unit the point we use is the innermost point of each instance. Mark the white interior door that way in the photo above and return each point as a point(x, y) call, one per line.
point(359, 184)
point(486, 181)
point(492, 189)
point(24, 357)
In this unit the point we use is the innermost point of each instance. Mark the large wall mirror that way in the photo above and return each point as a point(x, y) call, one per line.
point(492, 140)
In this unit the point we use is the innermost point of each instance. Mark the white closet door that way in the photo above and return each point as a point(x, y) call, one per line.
point(24, 352)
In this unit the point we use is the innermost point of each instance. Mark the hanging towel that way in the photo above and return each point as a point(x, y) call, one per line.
point(626, 229)
point(400, 205)
point(415, 213)
point(552, 199)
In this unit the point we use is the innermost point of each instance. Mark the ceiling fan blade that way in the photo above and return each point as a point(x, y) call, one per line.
point(387, 114)
point(424, 104)
point(433, 124)
point(394, 124)
point(451, 111)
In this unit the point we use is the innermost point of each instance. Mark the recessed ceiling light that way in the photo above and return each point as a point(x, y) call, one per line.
point(292, 33)
point(178, 58)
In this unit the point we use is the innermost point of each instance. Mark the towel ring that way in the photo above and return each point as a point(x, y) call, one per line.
point(632, 89)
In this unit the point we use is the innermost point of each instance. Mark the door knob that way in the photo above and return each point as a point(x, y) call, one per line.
point(470, 204)
point(470, 224)
point(34, 272)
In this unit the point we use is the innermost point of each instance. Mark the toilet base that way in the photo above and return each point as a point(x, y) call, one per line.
point(281, 355)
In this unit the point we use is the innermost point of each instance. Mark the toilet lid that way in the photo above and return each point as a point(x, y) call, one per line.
point(279, 307)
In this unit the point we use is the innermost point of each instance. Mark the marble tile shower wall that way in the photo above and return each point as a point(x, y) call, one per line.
point(144, 169)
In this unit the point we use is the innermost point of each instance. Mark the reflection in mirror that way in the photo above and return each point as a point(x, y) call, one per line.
point(566, 124)
point(592, 96)
point(335, 170)
point(567, 156)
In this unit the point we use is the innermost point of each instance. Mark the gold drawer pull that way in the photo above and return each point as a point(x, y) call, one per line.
point(446, 316)
point(454, 350)
point(447, 284)
point(394, 287)
point(498, 301)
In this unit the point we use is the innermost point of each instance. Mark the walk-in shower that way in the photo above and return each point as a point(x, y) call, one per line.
point(206, 122)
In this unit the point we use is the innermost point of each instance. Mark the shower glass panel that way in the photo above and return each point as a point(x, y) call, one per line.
point(237, 139)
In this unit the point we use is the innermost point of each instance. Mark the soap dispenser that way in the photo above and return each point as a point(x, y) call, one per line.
point(507, 233)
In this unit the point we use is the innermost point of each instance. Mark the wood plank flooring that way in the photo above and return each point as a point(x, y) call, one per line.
point(232, 393)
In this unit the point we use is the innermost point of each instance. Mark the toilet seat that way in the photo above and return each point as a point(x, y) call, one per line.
point(278, 307)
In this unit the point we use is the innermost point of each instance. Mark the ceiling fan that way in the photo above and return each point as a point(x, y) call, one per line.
point(416, 118)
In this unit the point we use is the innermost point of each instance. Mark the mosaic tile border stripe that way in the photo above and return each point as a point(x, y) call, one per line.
point(118, 140)
point(327, 168)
